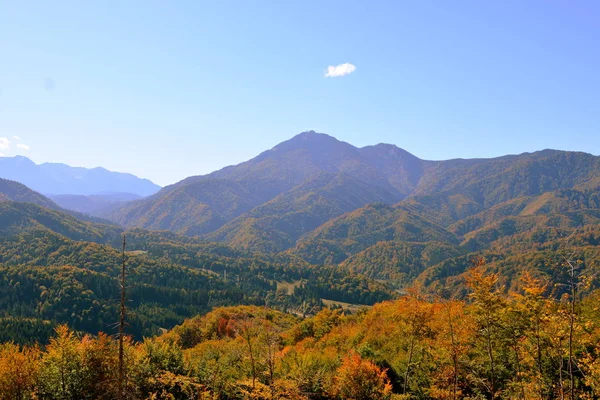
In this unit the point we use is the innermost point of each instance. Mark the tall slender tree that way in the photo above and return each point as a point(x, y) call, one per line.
point(121, 384)
point(488, 305)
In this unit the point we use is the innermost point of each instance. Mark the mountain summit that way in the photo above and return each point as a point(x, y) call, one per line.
point(309, 164)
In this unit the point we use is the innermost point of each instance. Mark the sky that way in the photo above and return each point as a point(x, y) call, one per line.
point(166, 90)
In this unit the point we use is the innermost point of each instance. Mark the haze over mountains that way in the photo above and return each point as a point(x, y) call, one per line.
point(55, 179)
point(15, 191)
point(94, 204)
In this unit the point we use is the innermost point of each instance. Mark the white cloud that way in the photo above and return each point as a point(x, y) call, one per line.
point(4, 143)
point(23, 146)
point(16, 138)
point(2, 155)
point(339, 70)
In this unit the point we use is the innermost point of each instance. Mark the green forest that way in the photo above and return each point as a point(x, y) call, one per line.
point(48, 277)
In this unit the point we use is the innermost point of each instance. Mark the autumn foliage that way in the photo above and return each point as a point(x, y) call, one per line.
point(494, 345)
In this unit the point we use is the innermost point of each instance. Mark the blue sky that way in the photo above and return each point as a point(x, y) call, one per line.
point(165, 90)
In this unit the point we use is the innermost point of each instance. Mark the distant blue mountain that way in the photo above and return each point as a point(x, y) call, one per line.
point(95, 204)
point(55, 179)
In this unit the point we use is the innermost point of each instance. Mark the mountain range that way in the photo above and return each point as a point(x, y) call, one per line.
point(310, 221)
point(56, 179)
point(311, 167)
point(290, 195)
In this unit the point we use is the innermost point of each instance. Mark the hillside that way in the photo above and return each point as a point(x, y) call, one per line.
point(370, 242)
point(351, 233)
point(17, 218)
point(277, 224)
point(56, 268)
point(53, 178)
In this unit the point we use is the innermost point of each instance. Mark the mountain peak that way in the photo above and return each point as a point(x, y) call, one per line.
point(307, 135)
point(313, 142)
point(21, 160)
point(386, 150)
point(311, 136)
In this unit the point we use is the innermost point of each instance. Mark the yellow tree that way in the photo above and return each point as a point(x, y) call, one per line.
point(18, 371)
point(488, 306)
point(417, 315)
point(590, 359)
point(249, 331)
point(535, 364)
point(62, 372)
point(359, 379)
point(454, 330)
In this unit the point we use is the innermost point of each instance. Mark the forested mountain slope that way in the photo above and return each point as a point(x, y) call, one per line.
point(351, 233)
point(527, 228)
point(289, 196)
point(17, 218)
point(277, 224)
point(55, 268)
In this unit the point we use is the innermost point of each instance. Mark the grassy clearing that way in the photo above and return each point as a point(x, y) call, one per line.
point(346, 306)
point(136, 252)
point(288, 287)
